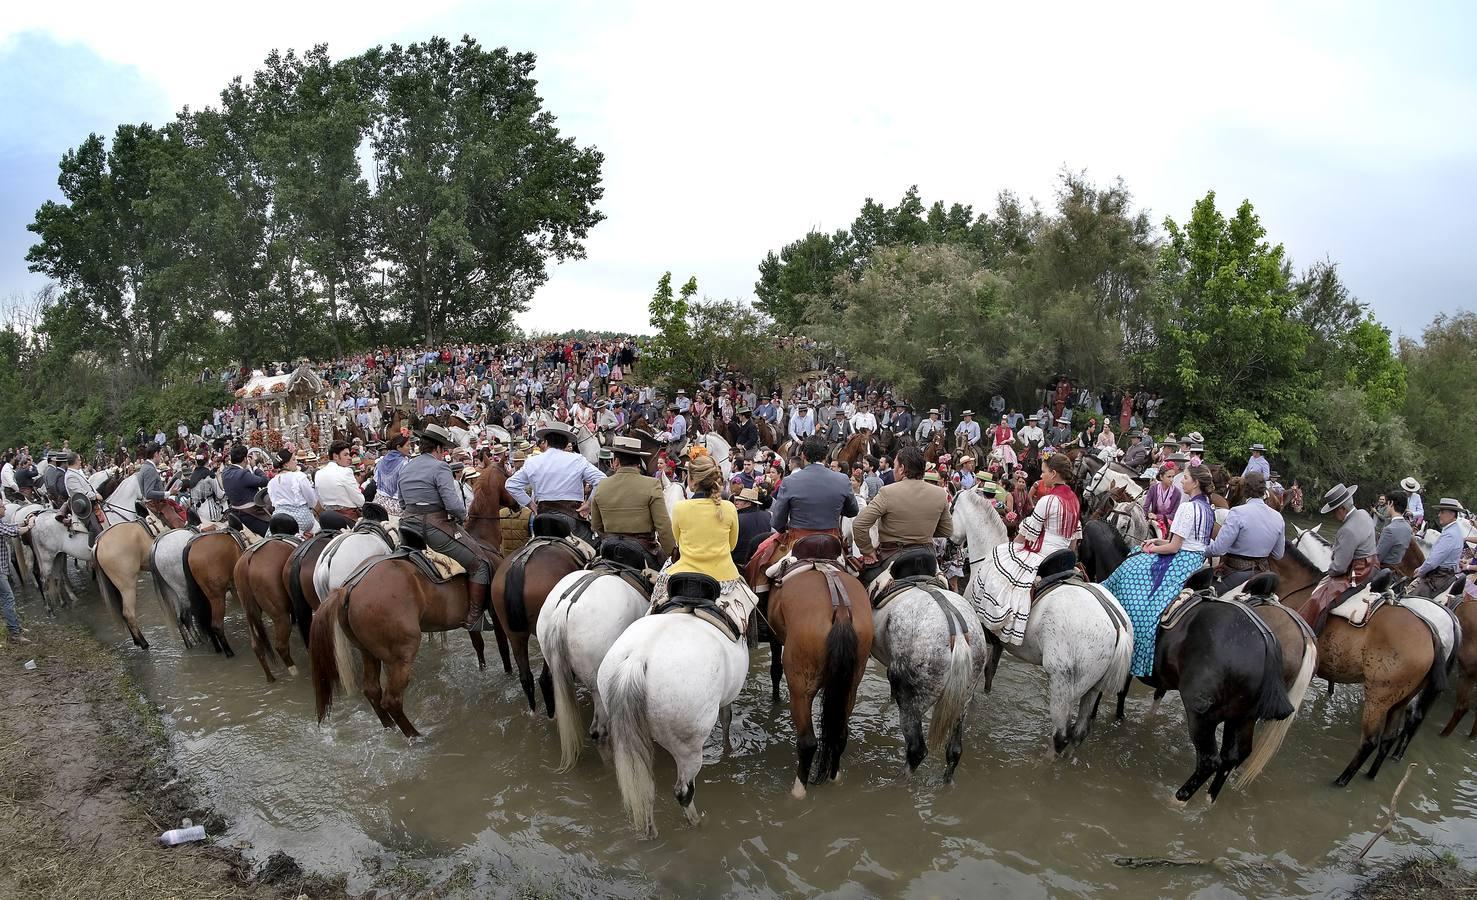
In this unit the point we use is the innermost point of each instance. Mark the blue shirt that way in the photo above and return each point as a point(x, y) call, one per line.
point(814, 498)
point(1447, 554)
point(1253, 530)
point(1258, 464)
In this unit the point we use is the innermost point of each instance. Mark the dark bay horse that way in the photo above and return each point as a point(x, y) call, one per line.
point(261, 586)
point(1465, 610)
point(484, 520)
point(853, 450)
point(1395, 656)
point(822, 626)
point(1227, 670)
point(210, 572)
point(520, 586)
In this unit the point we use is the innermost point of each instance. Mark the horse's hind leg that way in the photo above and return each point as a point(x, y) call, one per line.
point(1086, 712)
point(254, 628)
point(373, 692)
point(525, 668)
point(282, 640)
point(801, 698)
point(546, 687)
point(397, 677)
point(1396, 721)
point(1123, 697)
point(689, 760)
point(1059, 700)
point(996, 650)
point(1235, 747)
point(1463, 703)
point(502, 645)
point(910, 715)
point(1376, 707)
point(955, 751)
point(776, 669)
point(1202, 735)
point(725, 719)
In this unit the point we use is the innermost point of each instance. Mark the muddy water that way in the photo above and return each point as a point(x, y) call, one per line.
point(476, 798)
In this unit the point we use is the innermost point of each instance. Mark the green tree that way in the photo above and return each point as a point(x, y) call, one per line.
point(1441, 405)
point(477, 188)
point(800, 271)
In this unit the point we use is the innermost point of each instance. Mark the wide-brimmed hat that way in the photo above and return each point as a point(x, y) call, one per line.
point(1337, 496)
point(1181, 458)
point(967, 412)
point(604, 453)
point(1258, 448)
point(1410, 485)
point(627, 446)
point(1169, 442)
point(1450, 504)
point(1194, 437)
point(933, 412)
point(748, 495)
point(1063, 420)
point(306, 456)
point(742, 411)
point(840, 412)
point(437, 434)
point(553, 428)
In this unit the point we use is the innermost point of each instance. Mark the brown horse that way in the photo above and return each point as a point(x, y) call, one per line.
point(1395, 656)
point(1465, 611)
point(121, 552)
point(935, 446)
point(854, 449)
point(519, 587)
point(210, 569)
point(484, 520)
point(382, 613)
point(261, 588)
point(822, 626)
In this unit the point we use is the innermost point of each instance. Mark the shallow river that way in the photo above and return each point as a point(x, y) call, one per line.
point(477, 798)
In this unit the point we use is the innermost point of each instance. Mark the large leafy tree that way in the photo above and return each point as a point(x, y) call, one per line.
point(478, 189)
point(1441, 405)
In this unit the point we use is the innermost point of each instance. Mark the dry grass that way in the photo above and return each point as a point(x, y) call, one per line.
point(1429, 878)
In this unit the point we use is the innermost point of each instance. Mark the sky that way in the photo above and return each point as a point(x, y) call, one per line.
point(730, 131)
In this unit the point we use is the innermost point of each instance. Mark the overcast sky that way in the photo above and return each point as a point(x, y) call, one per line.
point(1352, 127)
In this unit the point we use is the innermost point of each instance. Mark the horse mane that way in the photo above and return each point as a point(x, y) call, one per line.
point(489, 491)
point(1291, 551)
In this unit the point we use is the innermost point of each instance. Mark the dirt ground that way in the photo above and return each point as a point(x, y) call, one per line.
point(86, 787)
point(1429, 878)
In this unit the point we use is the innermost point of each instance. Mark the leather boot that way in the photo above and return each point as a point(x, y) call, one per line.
point(476, 603)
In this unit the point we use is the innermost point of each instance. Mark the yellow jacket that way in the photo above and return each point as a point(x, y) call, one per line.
point(706, 534)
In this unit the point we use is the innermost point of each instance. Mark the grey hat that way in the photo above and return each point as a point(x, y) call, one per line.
point(623, 444)
point(1449, 504)
point(1338, 495)
point(553, 428)
point(438, 434)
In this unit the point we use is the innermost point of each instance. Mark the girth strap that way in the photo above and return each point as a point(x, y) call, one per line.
point(957, 625)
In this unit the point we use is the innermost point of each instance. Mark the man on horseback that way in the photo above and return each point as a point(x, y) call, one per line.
point(630, 504)
point(1258, 462)
point(1435, 575)
point(84, 501)
point(838, 430)
point(556, 477)
point(151, 488)
point(813, 500)
point(863, 420)
point(745, 434)
point(338, 488)
point(967, 433)
point(1396, 536)
point(902, 420)
point(1353, 551)
point(908, 513)
point(242, 486)
point(1252, 535)
point(435, 511)
point(802, 423)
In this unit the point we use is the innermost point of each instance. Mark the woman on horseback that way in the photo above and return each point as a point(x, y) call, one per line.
point(706, 528)
point(1163, 499)
point(1153, 574)
point(292, 492)
point(1004, 578)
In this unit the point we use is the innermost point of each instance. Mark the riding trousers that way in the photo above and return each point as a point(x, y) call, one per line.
point(443, 535)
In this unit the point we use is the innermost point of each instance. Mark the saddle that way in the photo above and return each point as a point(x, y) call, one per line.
point(1359, 603)
point(625, 559)
point(437, 568)
point(371, 526)
point(1199, 589)
point(558, 528)
point(804, 554)
point(1055, 570)
point(697, 595)
point(908, 563)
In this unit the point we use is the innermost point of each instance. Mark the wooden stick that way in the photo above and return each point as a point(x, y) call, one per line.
point(1389, 814)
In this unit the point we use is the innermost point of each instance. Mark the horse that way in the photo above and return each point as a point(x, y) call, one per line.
point(210, 567)
point(667, 679)
point(23, 557)
point(1394, 655)
point(122, 500)
point(1227, 668)
point(1082, 638)
point(121, 552)
point(851, 452)
point(382, 612)
point(585, 614)
point(519, 587)
point(821, 621)
point(1465, 611)
point(261, 588)
point(50, 540)
point(934, 448)
point(1125, 513)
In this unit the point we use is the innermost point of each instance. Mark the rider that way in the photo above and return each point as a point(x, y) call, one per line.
point(338, 488)
point(434, 510)
point(1415, 507)
point(814, 499)
point(151, 487)
point(1258, 462)
point(1353, 551)
point(1435, 574)
point(631, 504)
point(1396, 537)
point(863, 420)
point(745, 434)
point(84, 500)
point(802, 423)
point(242, 485)
point(970, 429)
point(838, 430)
point(556, 477)
point(908, 513)
point(1252, 534)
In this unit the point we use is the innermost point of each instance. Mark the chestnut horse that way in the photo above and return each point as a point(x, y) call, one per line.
point(1395, 656)
point(484, 520)
point(520, 586)
point(261, 586)
point(1465, 610)
point(822, 626)
point(854, 450)
point(210, 569)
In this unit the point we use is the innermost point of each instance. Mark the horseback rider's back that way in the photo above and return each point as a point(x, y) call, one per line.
point(632, 504)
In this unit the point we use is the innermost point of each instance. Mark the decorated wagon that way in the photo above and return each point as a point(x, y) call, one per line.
point(283, 409)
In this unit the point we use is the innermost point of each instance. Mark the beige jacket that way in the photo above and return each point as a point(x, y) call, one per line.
point(910, 511)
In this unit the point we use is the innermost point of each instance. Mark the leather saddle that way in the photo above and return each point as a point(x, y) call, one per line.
point(903, 570)
point(817, 546)
point(622, 557)
point(1359, 603)
point(697, 595)
point(1054, 571)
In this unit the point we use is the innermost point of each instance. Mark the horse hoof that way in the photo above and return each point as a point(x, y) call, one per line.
point(292, 670)
point(1340, 782)
point(798, 791)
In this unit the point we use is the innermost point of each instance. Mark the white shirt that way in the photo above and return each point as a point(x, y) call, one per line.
point(7, 477)
point(863, 420)
point(292, 489)
point(337, 486)
point(554, 475)
point(1031, 434)
point(927, 427)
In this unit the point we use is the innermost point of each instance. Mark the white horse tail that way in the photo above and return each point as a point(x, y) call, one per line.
point(566, 713)
point(630, 737)
point(954, 699)
point(1121, 662)
point(1269, 735)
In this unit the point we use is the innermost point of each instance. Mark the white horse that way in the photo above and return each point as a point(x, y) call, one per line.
point(588, 445)
point(21, 557)
point(575, 634)
point(933, 650)
point(119, 505)
point(50, 539)
point(346, 552)
point(721, 451)
point(1086, 649)
point(668, 679)
point(673, 492)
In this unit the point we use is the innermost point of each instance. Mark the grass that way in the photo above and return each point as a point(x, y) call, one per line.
point(1429, 877)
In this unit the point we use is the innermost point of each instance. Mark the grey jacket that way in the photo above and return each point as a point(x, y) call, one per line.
point(150, 486)
point(427, 480)
point(1394, 541)
point(814, 498)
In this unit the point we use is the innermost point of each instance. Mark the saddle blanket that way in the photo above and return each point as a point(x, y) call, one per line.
point(445, 565)
point(1358, 608)
point(735, 599)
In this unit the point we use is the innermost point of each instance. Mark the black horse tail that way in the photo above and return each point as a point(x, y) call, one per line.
point(1436, 680)
point(513, 594)
point(1271, 702)
point(837, 676)
point(199, 603)
point(35, 566)
point(301, 611)
point(109, 590)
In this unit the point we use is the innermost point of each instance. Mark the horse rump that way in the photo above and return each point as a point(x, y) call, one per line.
point(329, 652)
point(198, 615)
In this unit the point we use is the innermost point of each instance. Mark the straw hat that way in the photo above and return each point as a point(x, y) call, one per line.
point(748, 495)
point(1337, 496)
point(1410, 485)
point(553, 428)
point(624, 444)
point(1451, 505)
